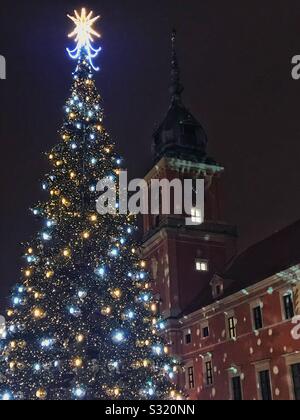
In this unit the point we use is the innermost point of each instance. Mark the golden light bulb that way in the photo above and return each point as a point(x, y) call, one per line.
point(116, 293)
point(154, 307)
point(59, 163)
point(86, 235)
point(146, 363)
point(12, 365)
point(106, 311)
point(13, 344)
point(66, 252)
point(51, 157)
point(72, 175)
point(65, 202)
point(166, 350)
point(41, 394)
point(133, 250)
point(117, 392)
point(49, 274)
point(80, 338)
point(28, 273)
point(143, 264)
point(78, 362)
point(30, 251)
point(93, 218)
point(10, 312)
point(38, 313)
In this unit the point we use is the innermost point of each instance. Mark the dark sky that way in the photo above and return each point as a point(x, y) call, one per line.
point(235, 58)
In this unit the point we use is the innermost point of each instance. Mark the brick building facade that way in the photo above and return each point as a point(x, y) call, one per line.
point(230, 317)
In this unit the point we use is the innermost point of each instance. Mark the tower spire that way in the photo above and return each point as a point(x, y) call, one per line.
point(176, 87)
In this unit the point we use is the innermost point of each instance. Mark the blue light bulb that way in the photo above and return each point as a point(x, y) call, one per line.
point(46, 236)
point(118, 337)
point(101, 271)
point(114, 252)
point(79, 392)
point(37, 367)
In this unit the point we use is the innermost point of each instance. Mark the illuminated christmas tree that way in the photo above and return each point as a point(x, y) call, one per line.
point(83, 323)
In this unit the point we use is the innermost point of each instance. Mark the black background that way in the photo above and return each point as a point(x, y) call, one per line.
point(236, 67)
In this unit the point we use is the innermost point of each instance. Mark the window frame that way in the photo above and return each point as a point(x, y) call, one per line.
point(231, 328)
point(191, 377)
point(268, 382)
point(188, 333)
point(296, 388)
point(208, 372)
point(289, 312)
point(260, 368)
point(255, 319)
point(196, 216)
point(201, 261)
point(234, 377)
point(291, 359)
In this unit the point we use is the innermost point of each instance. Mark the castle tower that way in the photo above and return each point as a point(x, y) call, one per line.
point(183, 259)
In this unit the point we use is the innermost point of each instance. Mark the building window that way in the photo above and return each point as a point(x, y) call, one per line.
point(296, 380)
point(205, 332)
point(202, 265)
point(188, 338)
point(231, 328)
point(237, 388)
point(209, 373)
point(257, 318)
point(288, 305)
point(196, 216)
point(191, 379)
point(265, 385)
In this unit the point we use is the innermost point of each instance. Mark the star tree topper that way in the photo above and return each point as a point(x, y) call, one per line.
point(84, 34)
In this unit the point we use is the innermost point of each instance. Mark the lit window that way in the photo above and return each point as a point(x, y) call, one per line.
point(201, 265)
point(191, 379)
point(196, 216)
point(209, 373)
point(231, 328)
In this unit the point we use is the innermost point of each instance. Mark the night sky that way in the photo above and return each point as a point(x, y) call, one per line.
point(235, 60)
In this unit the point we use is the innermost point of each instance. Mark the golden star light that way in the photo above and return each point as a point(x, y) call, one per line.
point(83, 31)
point(84, 34)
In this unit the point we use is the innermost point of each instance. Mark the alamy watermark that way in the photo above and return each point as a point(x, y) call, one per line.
point(158, 197)
point(2, 68)
point(296, 330)
point(296, 67)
